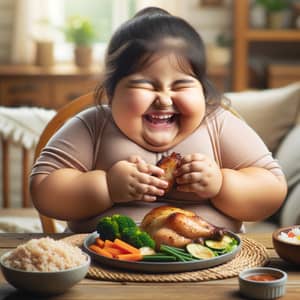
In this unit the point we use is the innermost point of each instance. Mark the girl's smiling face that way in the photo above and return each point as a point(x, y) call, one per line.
point(160, 105)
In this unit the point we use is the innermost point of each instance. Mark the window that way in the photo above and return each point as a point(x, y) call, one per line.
point(105, 15)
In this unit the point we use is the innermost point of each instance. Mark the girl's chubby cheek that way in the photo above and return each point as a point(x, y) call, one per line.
point(191, 106)
point(139, 103)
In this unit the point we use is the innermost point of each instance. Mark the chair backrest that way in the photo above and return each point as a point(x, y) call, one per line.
point(58, 120)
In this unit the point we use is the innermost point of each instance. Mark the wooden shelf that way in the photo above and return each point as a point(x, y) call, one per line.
point(244, 36)
point(273, 35)
point(56, 70)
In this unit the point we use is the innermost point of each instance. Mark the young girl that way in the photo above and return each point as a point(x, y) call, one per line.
point(104, 159)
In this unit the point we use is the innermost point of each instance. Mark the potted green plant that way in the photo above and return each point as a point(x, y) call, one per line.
point(275, 11)
point(81, 33)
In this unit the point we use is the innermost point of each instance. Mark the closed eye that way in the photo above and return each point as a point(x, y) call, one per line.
point(141, 83)
point(183, 84)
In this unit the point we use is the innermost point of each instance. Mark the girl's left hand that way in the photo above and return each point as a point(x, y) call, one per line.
point(199, 174)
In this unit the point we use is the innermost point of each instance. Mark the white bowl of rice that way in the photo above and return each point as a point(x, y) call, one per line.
point(44, 266)
point(286, 242)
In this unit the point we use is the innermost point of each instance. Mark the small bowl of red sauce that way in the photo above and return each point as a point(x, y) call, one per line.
point(262, 283)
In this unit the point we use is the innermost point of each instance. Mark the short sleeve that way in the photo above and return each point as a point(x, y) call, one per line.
point(241, 147)
point(72, 146)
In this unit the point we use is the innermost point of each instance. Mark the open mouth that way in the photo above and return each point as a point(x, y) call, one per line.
point(162, 119)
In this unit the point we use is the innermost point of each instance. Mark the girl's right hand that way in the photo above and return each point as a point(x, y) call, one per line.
point(135, 180)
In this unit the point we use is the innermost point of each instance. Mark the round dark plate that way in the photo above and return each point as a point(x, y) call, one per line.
point(160, 267)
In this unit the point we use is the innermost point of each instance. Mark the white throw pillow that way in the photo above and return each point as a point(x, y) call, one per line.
point(25, 224)
point(271, 113)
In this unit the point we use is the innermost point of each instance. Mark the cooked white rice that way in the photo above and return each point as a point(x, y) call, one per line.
point(45, 255)
point(293, 236)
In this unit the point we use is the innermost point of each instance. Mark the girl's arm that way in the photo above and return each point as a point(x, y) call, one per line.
point(250, 194)
point(247, 194)
point(68, 194)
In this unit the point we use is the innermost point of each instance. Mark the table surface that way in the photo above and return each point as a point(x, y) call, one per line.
point(89, 289)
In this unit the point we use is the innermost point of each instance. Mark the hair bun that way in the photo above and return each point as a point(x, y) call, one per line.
point(151, 11)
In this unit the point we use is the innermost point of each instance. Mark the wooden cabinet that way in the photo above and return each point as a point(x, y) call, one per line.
point(219, 75)
point(244, 36)
point(53, 87)
point(70, 88)
point(49, 88)
point(282, 74)
point(25, 91)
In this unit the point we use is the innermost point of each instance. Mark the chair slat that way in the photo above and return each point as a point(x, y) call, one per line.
point(5, 173)
point(25, 169)
point(48, 224)
point(25, 180)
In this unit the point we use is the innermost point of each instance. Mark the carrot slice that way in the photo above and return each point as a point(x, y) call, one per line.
point(99, 242)
point(100, 251)
point(130, 256)
point(113, 251)
point(125, 246)
point(108, 243)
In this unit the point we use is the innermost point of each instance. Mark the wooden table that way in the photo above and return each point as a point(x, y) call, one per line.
point(89, 289)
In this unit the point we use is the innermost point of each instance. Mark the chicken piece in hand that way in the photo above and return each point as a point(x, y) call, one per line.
point(178, 227)
point(169, 164)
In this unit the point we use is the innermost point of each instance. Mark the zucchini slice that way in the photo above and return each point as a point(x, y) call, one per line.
point(219, 245)
point(199, 251)
point(147, 251)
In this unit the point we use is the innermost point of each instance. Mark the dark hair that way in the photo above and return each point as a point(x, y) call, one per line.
point(149, 31)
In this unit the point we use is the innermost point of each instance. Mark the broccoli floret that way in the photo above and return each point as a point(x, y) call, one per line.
point(123, 222)
point(138, 238)
point(108, 229)
point(124, 228)
point(112, 227)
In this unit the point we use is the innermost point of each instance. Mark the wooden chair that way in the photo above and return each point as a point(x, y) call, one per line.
point(62, 115)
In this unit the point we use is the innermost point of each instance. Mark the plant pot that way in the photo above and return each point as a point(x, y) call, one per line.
point(83, 56)
point(277, 20)
point(218, 56)
point(44, 56)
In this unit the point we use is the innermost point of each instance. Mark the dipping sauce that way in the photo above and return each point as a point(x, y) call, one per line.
point(262, 277)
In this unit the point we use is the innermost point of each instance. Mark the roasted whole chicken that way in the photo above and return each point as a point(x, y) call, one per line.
point(169, 164)
point(178, 227)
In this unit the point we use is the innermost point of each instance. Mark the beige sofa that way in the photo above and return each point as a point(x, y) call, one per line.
point(275, 116)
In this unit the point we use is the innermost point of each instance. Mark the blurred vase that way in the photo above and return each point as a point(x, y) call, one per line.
point(277, 20)
point(257, 16)
point(44, 56)
point(218, 56)
point(296, 15)
point(83, 56)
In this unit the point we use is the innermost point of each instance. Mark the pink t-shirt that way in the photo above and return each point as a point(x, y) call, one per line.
point(91, 140)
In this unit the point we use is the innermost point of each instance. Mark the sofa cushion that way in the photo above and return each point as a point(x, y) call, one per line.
point(271, 113)
point(288, 155)
point(291, 210)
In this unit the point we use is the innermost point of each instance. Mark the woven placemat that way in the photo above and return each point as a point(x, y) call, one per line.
point(252, 254)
